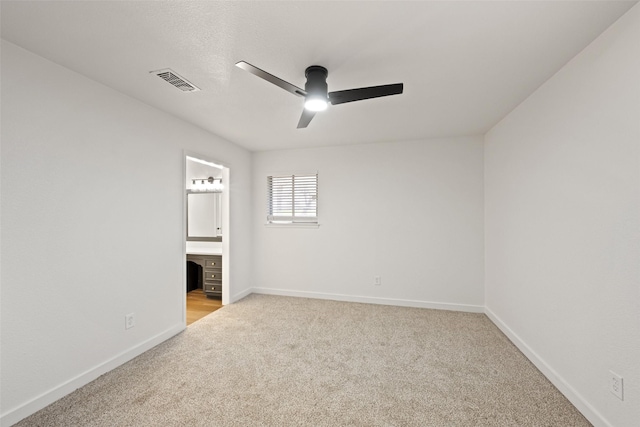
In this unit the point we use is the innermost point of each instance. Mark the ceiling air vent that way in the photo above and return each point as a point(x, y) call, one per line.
point(171, 77)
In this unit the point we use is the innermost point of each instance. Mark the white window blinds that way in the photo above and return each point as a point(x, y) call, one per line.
point(292, 199)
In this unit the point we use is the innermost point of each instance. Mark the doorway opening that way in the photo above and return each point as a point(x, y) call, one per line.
point(206, 237)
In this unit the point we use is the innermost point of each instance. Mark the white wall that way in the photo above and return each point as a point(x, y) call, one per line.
point(562, 230)
point(92, 213)
point(410, 212)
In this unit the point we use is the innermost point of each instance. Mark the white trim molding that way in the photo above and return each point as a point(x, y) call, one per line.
point(237, 297)
point(561, 384)
point(14, 415)
point(372, 300)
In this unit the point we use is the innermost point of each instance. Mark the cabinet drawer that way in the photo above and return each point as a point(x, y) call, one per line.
point(215, 288)
point(213, 262)
point(212, 276)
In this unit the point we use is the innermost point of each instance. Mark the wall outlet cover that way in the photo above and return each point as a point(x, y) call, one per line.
point(129, 321)
point(616, 385)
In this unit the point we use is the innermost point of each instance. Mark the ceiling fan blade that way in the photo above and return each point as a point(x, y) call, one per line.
point(305, 119)
point(350, 95)
point(271, 78)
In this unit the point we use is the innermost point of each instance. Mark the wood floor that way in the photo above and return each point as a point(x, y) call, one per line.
point(198, 305)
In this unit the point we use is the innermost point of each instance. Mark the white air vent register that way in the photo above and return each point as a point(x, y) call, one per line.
point(174, 79)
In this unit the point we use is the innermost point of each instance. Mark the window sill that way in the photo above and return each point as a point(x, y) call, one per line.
point(293, 225)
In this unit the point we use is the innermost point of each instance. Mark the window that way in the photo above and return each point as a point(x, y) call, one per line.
point(292, 199)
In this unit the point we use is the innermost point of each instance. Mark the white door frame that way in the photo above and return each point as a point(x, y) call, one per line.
point(226, 229)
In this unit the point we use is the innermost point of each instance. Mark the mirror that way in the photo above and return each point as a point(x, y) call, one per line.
point(204, 216)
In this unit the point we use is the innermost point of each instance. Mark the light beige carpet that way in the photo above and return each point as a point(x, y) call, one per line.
point(278, 361)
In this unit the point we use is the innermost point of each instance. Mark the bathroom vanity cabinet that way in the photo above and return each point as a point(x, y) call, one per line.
point(210, 275)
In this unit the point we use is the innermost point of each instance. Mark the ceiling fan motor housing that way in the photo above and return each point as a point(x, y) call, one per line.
point(316, 81)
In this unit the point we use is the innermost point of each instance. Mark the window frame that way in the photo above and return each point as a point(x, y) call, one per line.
point(293, 220)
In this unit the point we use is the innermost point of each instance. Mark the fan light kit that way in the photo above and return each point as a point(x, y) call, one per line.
point(316, 104)
point(316, 92)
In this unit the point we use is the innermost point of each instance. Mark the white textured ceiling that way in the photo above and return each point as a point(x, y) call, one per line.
point(464, 65)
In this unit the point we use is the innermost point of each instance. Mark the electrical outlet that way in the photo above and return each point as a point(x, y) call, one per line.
point(129, 321)
point(617, 386)
point(377, 281)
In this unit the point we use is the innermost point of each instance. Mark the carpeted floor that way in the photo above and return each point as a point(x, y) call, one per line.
point(279, 361)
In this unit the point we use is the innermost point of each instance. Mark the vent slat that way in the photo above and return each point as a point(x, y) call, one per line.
point(175, 80)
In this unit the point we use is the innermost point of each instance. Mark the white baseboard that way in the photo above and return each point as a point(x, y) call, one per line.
point(14, 415)
point(240, 295)
point(569, 392)
point(372, 300)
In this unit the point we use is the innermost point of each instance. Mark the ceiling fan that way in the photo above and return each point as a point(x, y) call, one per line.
point(316, 92)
